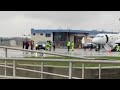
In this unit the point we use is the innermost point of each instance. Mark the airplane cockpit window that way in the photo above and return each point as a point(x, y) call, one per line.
point(99, 36)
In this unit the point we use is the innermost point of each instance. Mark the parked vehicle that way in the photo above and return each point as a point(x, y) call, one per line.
point(40, 45)
point(89, 45)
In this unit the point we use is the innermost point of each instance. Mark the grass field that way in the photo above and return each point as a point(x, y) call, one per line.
point(66, 64)
point(77, 64)
point(106, 57)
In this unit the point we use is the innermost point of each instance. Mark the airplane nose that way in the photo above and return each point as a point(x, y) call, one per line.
point(94, 41)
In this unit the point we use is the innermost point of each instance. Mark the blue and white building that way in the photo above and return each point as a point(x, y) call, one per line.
point(60, 36)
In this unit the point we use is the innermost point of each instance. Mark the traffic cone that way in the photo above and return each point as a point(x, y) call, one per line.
point(110, 52)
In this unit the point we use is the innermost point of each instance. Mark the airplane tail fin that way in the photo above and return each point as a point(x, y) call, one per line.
point(83, 40)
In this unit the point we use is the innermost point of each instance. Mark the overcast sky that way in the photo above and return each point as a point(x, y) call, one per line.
point(17, 23)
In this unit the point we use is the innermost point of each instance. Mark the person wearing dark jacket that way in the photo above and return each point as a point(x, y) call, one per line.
point(23, 44)
point(68, 45)
point(27, 45)
point(54, 45)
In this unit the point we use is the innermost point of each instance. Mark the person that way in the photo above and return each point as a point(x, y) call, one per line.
point(27, 45)
point(50, 45)
point(36, 46)
point(47, 46)
point(68, 45)
point(117, 48)
point(54, 45)
point(72, 45)
point(23, 44)
point(32, 44)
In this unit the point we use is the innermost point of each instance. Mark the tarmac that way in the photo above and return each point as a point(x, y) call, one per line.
point(76, 52)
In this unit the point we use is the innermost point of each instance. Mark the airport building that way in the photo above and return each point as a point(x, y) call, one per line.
point(60, 36)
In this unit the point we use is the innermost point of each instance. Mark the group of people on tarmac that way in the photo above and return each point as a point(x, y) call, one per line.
point(26, 44)
point(49, 45)
point(70, 45)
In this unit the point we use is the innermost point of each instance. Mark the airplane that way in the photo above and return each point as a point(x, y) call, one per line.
point(108, 41)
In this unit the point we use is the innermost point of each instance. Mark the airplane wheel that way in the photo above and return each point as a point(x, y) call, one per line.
point(96, 49)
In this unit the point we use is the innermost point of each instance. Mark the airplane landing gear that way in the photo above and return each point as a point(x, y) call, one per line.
point(98, 48)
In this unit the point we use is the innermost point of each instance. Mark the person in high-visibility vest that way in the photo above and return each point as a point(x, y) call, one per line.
point(47, 46)
point(68, 45)
point(54, 45)
point(117, 48)
point(72, 46)
point(36, 46)
point(50, 45)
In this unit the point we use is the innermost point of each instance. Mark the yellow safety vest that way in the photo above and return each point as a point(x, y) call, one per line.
point(68, 43)
point(73, 44)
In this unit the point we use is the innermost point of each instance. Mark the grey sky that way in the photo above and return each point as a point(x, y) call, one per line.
point(17, 23)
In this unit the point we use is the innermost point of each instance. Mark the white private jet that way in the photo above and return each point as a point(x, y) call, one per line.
point(109, 41)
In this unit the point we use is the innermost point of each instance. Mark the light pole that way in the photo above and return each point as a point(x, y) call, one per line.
point(69, 34)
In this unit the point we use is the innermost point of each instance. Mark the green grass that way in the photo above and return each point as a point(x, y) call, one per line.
point(65, 63)
point(106, 57)
point(76, 64)
point(54, 57)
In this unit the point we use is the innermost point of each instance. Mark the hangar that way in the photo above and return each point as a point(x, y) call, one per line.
point(60, 36)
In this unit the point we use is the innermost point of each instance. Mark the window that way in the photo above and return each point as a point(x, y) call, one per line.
point(48, 35)
point(41, 33)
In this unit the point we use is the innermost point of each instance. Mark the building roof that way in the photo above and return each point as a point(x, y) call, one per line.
point(90, 32)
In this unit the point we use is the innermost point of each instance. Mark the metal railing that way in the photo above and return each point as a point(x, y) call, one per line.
point(40, 52)
point(14, 65)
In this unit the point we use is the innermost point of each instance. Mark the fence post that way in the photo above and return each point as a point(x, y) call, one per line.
point(5, 62)
point(70, 70)
point(6, 52)
point(99, 71)
point(83, 70)
point(42, 54)
point(5, 68)
point(14, 68)
point(42, 67)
